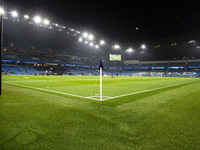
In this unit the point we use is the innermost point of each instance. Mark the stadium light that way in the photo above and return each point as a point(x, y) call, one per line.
point(143, 46)
point(86, 42)
point(2, 11)
point(96, 46)
point(91, 44)
point(130, 50)
point(14, 13)
point(102, 42)
point(85, 34)
point(191, 41)
point(37, 19)
point(90, 37)
point(46, 22)
point(116, 46)
point(26, 16)
point(80, 39)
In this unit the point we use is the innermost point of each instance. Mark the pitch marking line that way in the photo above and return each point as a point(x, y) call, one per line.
point(98, 97)
point(90, 97)
point(50, 91)
point(144, 91)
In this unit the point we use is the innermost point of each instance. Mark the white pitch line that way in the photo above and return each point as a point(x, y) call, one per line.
point(90, 97)
point(98, 96)
point(144, 91)
point(50, 91)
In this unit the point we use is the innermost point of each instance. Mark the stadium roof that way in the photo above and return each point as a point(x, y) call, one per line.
point(122, 20)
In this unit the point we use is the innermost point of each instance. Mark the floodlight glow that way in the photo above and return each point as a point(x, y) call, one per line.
point(129, 50)
point(102, 42)
point(143, 46)
point(14, 13)
point(46, 22)
point(26, 16)
point(37, 19)
point(80, 39)
point(86, 42)
point(2, 11)
point(91, 44)
point(56, 24)
point(96, 46)
point(116, 46)
point(85, 34)
point(90, 37)
point(191, 41)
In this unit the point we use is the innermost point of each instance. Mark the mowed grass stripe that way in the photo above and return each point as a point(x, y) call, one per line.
point(147, 90)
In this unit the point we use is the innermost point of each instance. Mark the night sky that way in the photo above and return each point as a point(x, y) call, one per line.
point(118, 19)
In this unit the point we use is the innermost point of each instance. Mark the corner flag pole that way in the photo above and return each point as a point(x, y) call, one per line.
point(100, 83)
point(1, 42)
point(101, 74)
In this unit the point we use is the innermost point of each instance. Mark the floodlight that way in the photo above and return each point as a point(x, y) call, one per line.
point(37, 19)
point(46, 22)
point(91, 44)
point(80, 39)
point(143, 46)
point(102, 42)
point(14, 13)
point(191, 41)
point(86, 42)
point(129, 50)
point(90, 37)
point(2, 11)
point(26, 16)
point(85, 34)
point(96, 46)
point(116, 46)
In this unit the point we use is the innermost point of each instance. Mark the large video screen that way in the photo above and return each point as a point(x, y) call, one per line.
point(115, 57)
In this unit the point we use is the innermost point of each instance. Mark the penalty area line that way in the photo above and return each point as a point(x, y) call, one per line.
point(46, 90)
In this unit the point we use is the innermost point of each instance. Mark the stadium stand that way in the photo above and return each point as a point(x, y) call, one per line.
point(29, 49)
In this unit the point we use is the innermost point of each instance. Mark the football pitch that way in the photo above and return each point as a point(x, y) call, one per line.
point(65, 112)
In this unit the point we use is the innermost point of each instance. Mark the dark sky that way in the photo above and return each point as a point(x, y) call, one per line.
point(118, 19)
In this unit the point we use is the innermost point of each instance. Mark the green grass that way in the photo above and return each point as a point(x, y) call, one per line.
point(166, 118)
